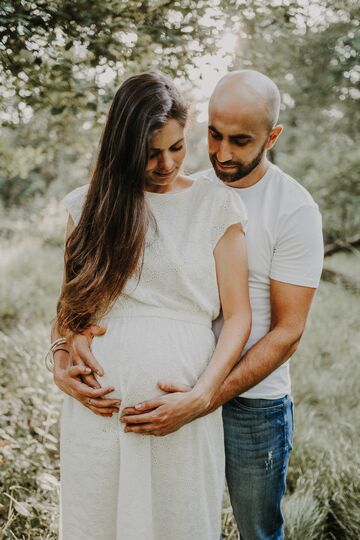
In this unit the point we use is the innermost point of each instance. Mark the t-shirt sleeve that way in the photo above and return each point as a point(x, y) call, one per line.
point(299, 250)
point(74, 202)
point(231, 211)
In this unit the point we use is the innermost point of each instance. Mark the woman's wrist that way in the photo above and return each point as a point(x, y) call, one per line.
point(200, 398)
point(61, 359)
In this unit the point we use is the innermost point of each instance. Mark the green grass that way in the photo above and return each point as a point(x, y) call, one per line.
point(323, 481)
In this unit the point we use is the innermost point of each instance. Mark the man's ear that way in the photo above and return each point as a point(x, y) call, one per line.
point(274, 135)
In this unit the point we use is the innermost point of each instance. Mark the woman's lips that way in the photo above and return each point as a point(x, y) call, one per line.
point(164, 175)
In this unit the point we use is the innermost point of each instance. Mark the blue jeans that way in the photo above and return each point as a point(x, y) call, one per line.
point(258, 442)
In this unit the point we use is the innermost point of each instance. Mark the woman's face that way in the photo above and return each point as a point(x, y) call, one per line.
point(167, 152)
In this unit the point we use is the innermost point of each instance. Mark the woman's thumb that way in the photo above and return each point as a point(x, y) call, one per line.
point(98, 330)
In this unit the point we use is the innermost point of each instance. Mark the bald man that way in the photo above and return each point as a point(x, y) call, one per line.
point(285, 253)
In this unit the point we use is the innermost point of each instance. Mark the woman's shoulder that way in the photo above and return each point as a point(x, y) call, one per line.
point(218, 206)
point(77, 193)
point(74, 201)
point(218, 194)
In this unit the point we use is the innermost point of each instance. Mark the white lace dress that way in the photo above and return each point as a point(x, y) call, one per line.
point(126, 486)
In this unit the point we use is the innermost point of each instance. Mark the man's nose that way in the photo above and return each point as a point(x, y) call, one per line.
point(223, 154)
point(166, 162)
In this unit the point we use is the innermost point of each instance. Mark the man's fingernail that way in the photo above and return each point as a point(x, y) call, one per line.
point(88, 370)
point(140, 406)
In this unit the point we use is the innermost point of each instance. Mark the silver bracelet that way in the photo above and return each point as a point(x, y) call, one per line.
point(49, 359)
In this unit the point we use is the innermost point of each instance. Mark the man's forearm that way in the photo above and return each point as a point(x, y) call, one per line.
point(258, 362)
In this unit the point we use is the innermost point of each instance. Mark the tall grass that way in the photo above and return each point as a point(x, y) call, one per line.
point(323, 478)
point(323, 481)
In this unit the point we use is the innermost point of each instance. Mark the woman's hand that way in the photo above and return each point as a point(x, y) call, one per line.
point(164, 414)
point(68, 378)
point(81, 354)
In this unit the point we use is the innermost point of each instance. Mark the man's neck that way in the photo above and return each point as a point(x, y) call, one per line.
point(252, 178)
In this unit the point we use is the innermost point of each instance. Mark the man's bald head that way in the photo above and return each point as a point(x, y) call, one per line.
point(243, 113)
point(250, 90)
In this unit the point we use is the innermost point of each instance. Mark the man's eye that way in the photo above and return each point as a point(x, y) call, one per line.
point(215, 135)
point(241, 143)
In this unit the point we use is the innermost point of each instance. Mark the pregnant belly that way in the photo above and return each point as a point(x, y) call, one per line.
point(136, 352)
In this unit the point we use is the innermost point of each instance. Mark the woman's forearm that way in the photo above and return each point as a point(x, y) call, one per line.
point(232, 279)
point(61, 358)
point(233, 337)
point(54, 334)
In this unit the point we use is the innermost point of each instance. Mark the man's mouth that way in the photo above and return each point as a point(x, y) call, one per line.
point(223, 166)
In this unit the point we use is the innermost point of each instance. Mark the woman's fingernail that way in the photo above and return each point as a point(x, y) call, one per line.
point(140, 406)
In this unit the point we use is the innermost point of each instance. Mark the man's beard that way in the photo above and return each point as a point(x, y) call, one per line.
point(242, 169)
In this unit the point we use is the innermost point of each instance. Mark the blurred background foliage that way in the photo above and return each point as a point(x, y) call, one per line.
point(61, 62)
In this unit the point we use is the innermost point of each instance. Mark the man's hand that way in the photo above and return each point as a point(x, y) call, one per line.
point(170, 387)
point(165, 414)
point(69, 381)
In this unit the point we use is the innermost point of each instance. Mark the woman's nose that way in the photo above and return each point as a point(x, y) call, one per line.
point(166, 162)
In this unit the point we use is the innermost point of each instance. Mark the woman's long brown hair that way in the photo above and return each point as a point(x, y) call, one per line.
point(106, 246)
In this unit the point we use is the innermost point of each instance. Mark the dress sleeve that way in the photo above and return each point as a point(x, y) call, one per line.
point(299, 250)
point(74, 202)
point(231, 211)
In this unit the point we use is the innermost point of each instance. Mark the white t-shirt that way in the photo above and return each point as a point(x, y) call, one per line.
point(284, 243)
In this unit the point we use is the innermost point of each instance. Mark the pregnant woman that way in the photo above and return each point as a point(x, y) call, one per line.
point(150, 254)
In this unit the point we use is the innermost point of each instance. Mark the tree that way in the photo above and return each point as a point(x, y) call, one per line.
point(61, 61)
point(57, 53)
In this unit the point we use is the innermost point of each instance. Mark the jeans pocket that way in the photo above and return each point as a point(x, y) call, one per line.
point(293, 416)
point(260, 405)
point(289, 425)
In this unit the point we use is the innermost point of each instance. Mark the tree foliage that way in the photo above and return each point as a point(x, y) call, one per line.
point(311, 49)
point(55, 53)
point(62, 60)
point(60, 63)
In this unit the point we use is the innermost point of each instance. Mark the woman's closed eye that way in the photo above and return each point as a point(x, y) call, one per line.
point(172, 149)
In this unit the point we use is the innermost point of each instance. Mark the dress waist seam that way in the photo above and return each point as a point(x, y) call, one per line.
point(153, 311)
